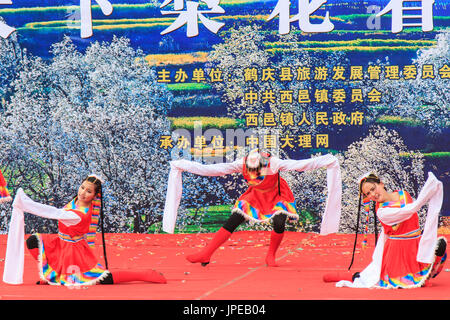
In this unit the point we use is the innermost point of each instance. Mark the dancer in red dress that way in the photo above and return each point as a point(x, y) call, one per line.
point(403, 257)
point(4, 193)
point(268, 197)
point(66, 258)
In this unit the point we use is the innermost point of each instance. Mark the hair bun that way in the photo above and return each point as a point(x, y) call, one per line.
point(96, 177)
point(367, 175)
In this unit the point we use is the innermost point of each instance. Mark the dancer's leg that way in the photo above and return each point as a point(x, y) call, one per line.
point(276, 236)
point(121, 276)
point(233, 222)
point(219, 238)
point(340, 275)
point(33, 247)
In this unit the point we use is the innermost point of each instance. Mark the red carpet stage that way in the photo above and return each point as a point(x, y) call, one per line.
point(237, 270)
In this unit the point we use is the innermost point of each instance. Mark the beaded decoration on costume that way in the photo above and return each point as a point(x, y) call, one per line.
point(366, 205)
point(96, 205)
point(254, 178)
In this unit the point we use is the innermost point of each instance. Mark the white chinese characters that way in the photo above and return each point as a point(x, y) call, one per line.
point(86, 15)
point(306, 9)
point(401, 13)
point(191, 15)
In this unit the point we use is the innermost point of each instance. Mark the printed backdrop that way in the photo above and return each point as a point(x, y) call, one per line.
point(120, 88)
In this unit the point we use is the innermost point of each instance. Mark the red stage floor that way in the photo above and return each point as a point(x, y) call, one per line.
point(236, 272)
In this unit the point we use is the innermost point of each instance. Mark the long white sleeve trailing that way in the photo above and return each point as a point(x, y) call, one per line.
point(14, 258)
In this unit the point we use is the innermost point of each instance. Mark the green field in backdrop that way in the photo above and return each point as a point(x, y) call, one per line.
point(210, 219)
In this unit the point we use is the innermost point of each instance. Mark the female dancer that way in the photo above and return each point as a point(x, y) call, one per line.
point(268, 197)
point(4, 193)
point(66, 258)
point(404, 257)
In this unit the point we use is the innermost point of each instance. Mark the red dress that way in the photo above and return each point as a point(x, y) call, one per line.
point(266, 196)
point(4, 193)
point(68, 257)
point(400, 268)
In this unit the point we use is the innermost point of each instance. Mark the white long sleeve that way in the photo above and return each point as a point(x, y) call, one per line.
point(304, 164)
point(332, 213)
point(392, 216)
point(26, 204)
point(14, 259)
point(431, 193)
point(175, 185)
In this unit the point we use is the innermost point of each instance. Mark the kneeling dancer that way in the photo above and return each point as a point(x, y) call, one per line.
point(404, 256)
point(68, 257)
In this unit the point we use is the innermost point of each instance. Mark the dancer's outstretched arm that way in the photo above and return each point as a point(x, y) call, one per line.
point(325, 161)
point(332, 213)
point(175, 187)
point(211, 170)
point(24, 203)
point(391, 216)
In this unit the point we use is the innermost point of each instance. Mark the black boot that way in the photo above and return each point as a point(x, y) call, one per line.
point(441, 247)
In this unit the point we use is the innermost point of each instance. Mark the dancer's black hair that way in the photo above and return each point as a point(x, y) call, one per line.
point(356, 231)
point(98, 189)
point(374, 179)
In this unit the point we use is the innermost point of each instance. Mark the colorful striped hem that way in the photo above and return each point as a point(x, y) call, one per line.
point(73, 277)
point(250, 213)
point(418, 279)
point(411, 280)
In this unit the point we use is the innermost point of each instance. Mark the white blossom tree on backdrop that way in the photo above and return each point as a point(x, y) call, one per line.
point(100, 111)
point(423, 99)
point(103, 111)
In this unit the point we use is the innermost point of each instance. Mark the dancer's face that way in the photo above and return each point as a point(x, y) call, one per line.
point(86, 193)
point(374, 191)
